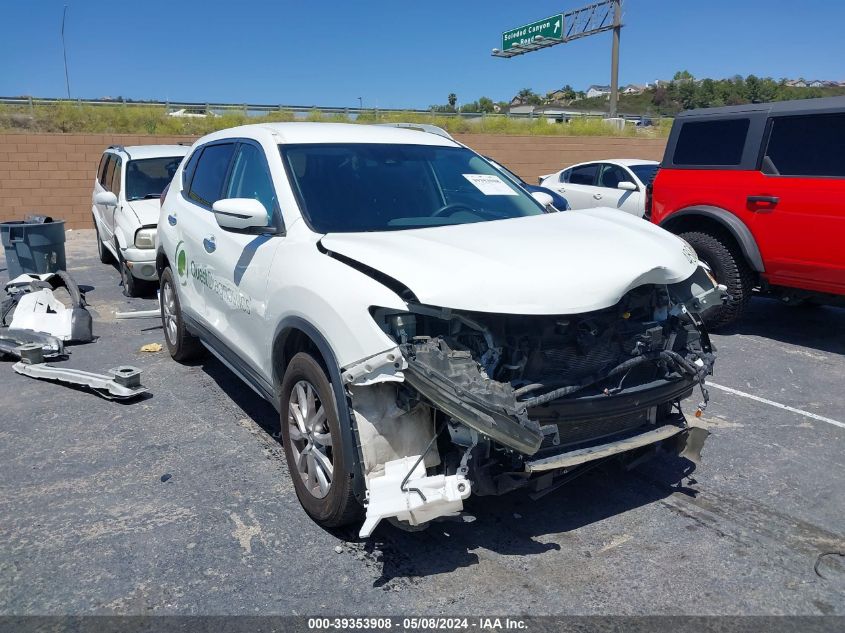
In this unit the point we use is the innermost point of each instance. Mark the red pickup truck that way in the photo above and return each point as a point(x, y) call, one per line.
point(759, 192)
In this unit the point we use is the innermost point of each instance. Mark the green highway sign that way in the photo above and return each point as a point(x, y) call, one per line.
point(549, 28)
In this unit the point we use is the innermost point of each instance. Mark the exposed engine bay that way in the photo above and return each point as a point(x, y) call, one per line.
point(487, 403)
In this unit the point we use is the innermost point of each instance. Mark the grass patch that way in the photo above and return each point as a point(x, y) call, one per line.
point(70, 117)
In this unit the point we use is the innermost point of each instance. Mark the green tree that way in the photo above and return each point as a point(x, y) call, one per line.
point(683, 75)
point(485, 104)
point(528, 96)
point(452, 99)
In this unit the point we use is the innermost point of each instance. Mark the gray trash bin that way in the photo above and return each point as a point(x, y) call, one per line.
point(33, 247)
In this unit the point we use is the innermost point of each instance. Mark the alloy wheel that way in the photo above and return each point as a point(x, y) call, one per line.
point(311, 440)
point(168, 309)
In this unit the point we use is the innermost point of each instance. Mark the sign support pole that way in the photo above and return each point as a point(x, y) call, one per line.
point(614, 57)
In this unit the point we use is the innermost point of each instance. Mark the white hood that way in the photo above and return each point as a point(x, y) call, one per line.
point(147, 210)
point(557, 263)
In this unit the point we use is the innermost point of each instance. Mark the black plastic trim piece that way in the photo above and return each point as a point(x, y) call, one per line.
point(348, 427)
point(245, 371)
point(630, 401)
point(735, 226)
point(497, 426)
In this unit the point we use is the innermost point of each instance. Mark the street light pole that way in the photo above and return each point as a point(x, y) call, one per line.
point(64, 53)
point(360, 103)
point(614, 57)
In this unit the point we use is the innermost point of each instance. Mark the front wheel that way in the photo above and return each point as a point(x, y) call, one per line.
point(314, 445)
point(729, 267)
point(132, 287)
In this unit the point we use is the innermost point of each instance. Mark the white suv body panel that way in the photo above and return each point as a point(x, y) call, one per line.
point(240, 290)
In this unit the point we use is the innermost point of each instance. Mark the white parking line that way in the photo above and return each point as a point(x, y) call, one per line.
point(737, 392)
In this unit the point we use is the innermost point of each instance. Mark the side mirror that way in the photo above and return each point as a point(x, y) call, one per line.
point(626, 186)
point(543, 198)
point(106, 198)
point(239, 213)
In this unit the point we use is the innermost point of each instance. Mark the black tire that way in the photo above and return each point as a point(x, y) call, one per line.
point(182, 345)
point(729, 267)
point(103, 253)
point(339, 506)
point(132, 287)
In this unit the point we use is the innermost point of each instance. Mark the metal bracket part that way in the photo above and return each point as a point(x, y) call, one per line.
point(123, 383)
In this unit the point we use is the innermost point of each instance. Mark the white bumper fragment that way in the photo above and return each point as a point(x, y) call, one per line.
point(424, 498)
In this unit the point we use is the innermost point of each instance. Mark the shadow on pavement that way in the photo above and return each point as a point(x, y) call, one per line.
point(510, 525)
point(817, 327)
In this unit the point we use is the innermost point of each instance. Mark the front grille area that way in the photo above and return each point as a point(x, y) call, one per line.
point(570, 362)
point(585, 430)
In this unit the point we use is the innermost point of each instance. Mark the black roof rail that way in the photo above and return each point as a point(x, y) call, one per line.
point(120, 148)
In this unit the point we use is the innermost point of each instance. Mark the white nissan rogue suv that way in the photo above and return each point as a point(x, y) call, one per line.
point(426, 329)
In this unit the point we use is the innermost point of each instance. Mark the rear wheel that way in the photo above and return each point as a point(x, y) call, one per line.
point(180, 343)
point(729, 267)
point(314, 444)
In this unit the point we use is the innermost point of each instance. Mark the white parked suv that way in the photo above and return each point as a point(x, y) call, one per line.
point(620, 183)
point(426, 329)
point(125, 205)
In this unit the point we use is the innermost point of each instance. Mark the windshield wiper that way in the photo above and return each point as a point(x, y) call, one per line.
point(146, 196)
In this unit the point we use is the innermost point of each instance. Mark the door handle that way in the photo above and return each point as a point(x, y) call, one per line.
point(171, 220)
point(762, 203)
point(597, 196)
point(209, 245)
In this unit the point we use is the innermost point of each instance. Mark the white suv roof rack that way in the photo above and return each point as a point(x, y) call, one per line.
point(422, 127)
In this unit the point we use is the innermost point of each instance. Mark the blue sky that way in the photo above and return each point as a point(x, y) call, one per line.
point(393, 54)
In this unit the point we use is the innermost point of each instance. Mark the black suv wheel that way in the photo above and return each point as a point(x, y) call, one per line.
point(729, 267)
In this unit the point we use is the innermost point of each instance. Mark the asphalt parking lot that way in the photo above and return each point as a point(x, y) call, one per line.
point(88, 526)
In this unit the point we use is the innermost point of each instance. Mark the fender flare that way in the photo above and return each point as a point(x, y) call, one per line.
point(120, 238)
point(348, 428)
point(736, 227)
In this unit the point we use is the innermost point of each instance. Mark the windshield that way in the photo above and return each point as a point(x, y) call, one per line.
point(645, 173)
point(147, 178)
point(387, 187)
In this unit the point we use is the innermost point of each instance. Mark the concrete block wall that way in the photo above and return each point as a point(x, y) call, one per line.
point(53, 174)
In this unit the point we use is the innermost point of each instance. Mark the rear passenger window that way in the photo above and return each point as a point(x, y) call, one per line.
point(711, 142)
point(584, 175)
point(210, 173)
point(191, 165)
point(101, 170)
point(109, 173)
point(116, 180)
point(807, 146)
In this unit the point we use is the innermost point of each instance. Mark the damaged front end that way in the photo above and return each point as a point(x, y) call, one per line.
point(487, 403)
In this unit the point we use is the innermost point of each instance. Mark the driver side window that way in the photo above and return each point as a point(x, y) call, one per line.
point(251, 179)
point(611, 176)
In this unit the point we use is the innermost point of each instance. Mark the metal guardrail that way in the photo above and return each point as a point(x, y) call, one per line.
point(252, 109)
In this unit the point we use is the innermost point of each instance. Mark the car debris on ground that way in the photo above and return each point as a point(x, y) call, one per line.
point(122, 383)
point(33, 306)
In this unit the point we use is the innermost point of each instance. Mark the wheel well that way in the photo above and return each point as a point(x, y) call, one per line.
point(290, 342)
point(161, 262)
point(704, 224)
